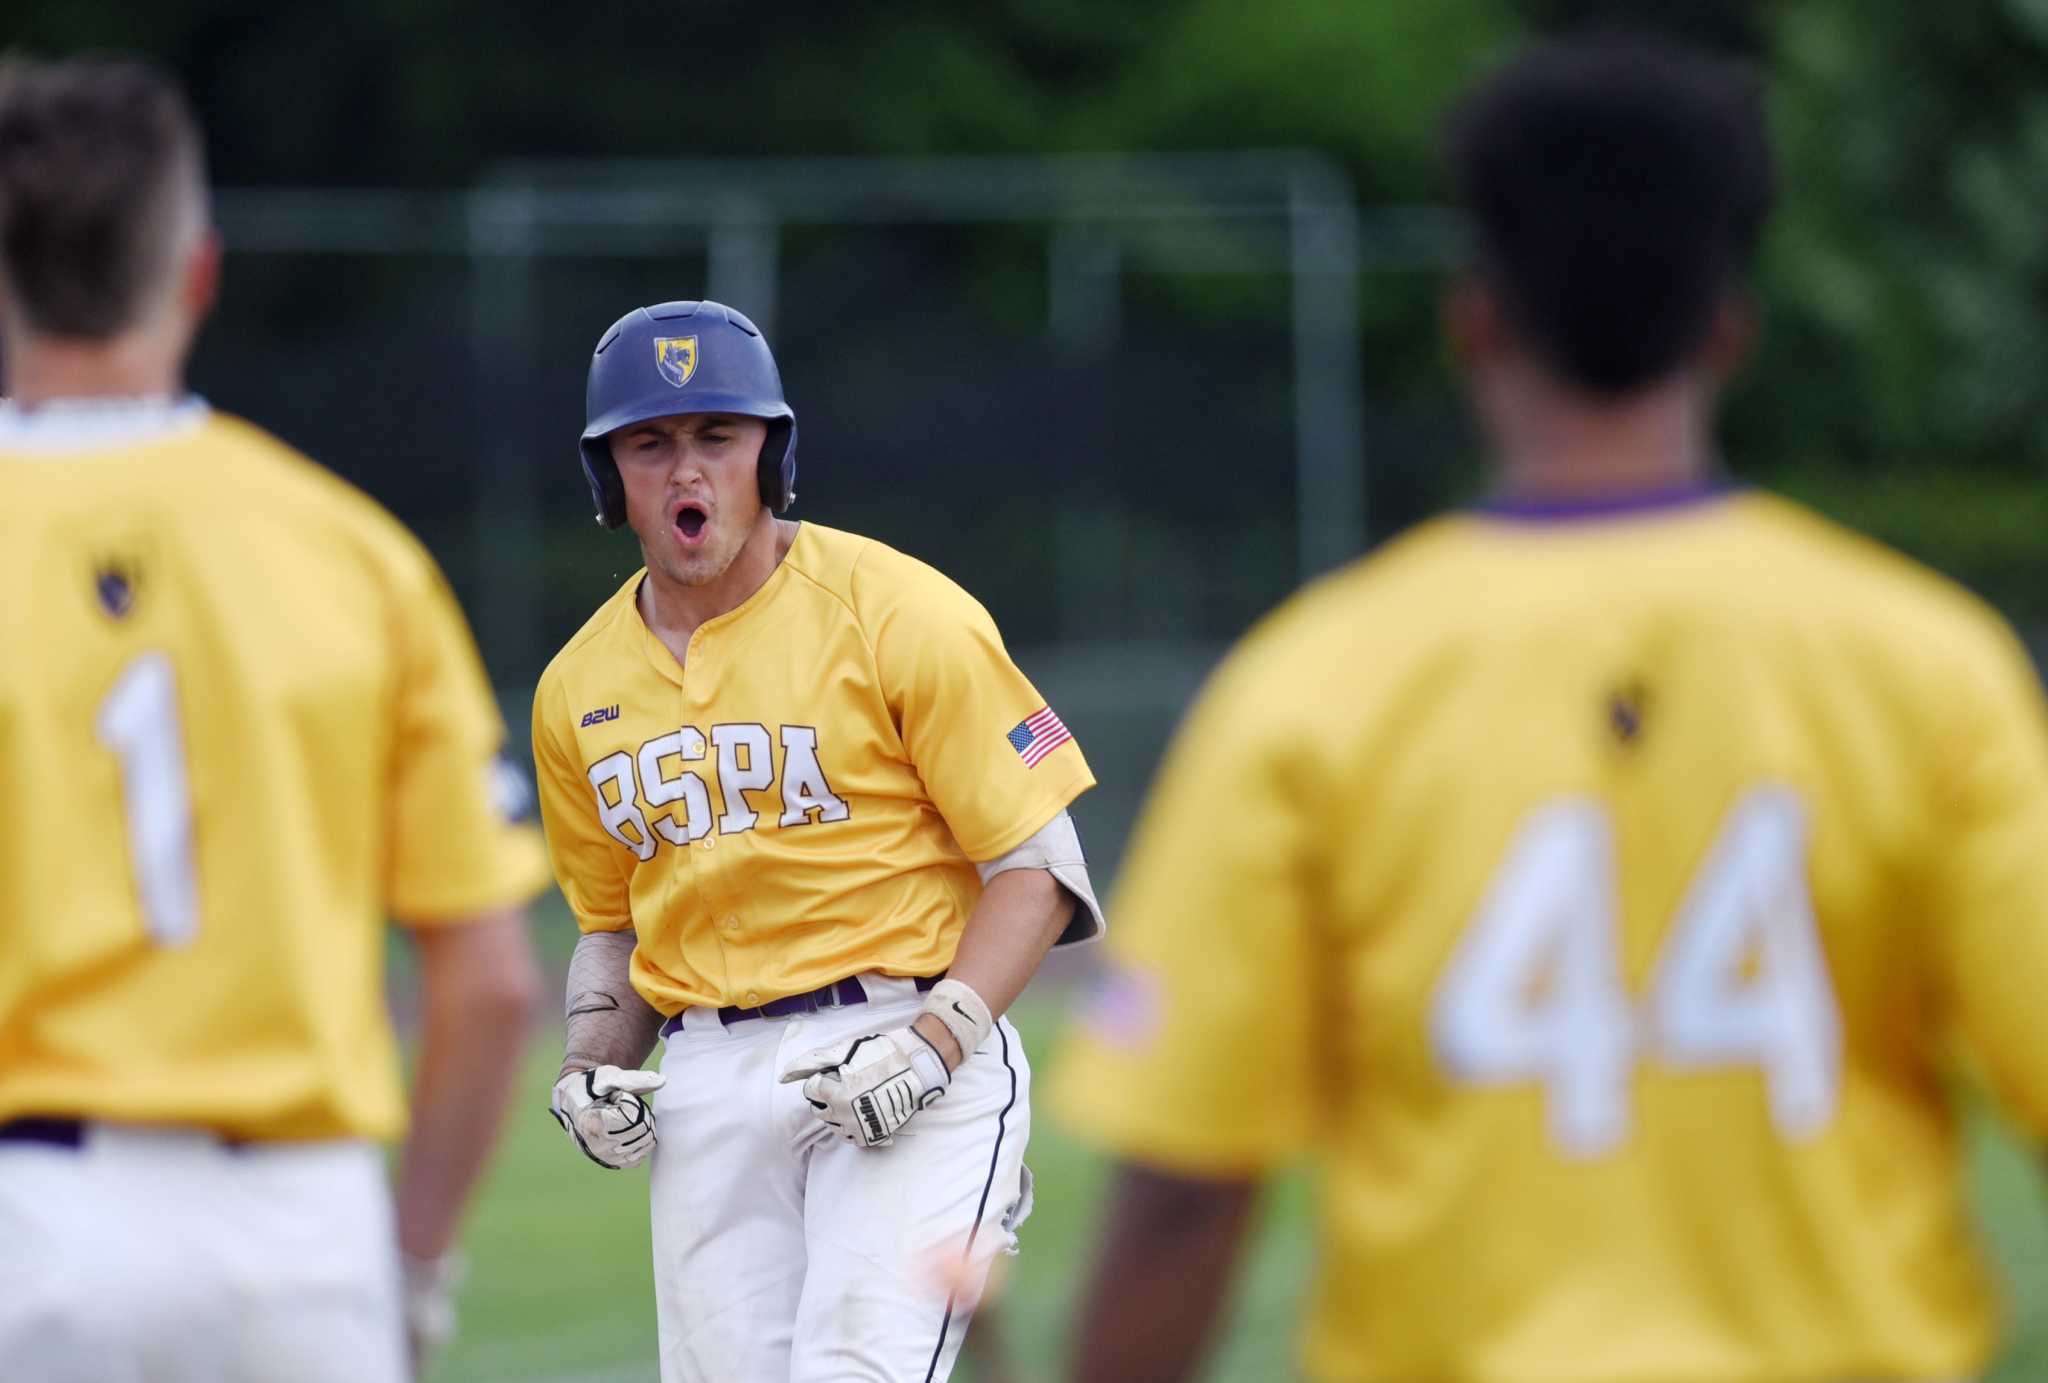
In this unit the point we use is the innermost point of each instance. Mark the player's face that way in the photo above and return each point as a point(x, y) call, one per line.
point(693, 496)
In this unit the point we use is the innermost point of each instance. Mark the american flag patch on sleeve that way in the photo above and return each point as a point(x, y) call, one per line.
point(1037, 735)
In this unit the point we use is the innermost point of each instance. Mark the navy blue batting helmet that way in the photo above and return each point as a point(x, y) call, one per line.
point(683, 357)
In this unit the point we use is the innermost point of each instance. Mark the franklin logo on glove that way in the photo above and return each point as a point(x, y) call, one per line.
point(869, 1087)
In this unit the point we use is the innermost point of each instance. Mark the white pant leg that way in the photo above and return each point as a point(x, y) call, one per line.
point(726, 1195)
point(160, 1256)
point(320, 1279)
point(901, 1238)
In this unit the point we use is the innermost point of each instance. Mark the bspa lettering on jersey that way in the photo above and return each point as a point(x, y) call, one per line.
point(645, 796)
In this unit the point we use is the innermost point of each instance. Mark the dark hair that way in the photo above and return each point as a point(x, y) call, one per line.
point(94, 155)
point(1618, 186)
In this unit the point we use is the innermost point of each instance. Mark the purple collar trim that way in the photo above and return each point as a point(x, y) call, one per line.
point(1606, 506)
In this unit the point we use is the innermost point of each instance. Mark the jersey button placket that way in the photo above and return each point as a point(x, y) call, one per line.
point(697, 688)
point(699, 693)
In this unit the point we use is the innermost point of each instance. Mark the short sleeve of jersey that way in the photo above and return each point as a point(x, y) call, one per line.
point(461, 838)
point(994, 762)
point(589, 866)
point(1196, 1051)
point(1989, 866)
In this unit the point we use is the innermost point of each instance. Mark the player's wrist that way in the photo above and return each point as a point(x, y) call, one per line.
point(573, 1081)
point(940, 1039)
point(963, 1013)
point(424, 1243)
point(928, 1062)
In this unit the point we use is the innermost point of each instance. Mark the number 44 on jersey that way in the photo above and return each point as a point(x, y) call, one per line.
point(1534, 991)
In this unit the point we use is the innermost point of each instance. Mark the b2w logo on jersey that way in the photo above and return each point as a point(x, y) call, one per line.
point(599, 716)
point(633, 789)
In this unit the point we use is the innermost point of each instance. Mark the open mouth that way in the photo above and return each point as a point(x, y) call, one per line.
point(690, 523)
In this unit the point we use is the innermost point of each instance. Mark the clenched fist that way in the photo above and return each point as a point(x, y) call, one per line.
point(602, 1110)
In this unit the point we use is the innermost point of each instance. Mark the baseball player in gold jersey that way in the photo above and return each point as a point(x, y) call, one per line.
point(1605, 869)
point(241, 722)
point(812, 821)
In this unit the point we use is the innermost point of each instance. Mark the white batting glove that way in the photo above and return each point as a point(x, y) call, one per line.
point(868, 1087)
point(602, 1110)
point(427, 1286)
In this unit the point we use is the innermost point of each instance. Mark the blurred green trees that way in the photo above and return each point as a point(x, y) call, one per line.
point(1902, 381)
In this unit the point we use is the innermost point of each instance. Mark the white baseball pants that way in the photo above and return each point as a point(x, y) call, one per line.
point(165, 1256)
point(784, 1253)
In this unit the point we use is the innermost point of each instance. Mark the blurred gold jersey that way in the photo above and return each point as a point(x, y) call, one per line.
point(1595, 895)
point(241, 719)
point(804, 800)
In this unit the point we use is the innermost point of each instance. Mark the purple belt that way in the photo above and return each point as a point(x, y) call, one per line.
point(839, 994)
point(70, 1133)
point(55, 1133)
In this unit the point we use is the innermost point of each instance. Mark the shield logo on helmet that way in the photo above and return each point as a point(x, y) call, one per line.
point(676, 358)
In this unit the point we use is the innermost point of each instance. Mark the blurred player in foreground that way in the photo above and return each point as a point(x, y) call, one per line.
point(1588, 881)
point(240, 719)
point(812, 821)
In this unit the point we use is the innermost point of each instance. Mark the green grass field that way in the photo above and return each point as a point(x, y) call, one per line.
point(560, 1287)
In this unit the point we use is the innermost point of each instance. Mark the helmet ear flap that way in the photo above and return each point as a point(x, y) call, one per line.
point(778, 465)
point(607, 491)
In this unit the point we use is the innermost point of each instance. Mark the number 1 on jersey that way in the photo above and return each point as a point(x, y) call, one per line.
point(138, 720)
point(1534, 991)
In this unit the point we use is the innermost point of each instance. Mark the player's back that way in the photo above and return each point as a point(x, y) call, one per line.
point(227, 685)
point(1651, 934)
point(1643, 859)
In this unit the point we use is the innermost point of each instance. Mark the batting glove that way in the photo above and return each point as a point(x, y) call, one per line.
point(868, 1087)
point(602, 1110)
point(428, 1289)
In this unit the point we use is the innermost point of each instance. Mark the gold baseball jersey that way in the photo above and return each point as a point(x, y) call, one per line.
point(805, 797)
point(1595, 897)
point(241, 720)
